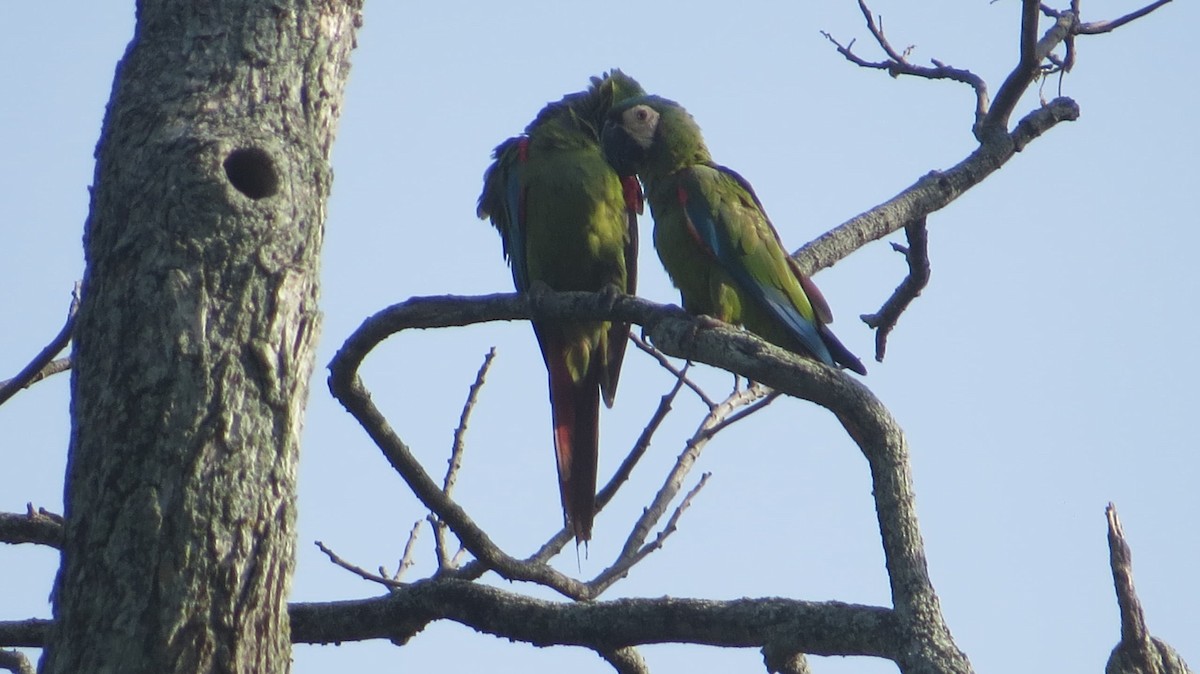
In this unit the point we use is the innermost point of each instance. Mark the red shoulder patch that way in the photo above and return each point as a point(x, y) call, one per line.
point(632, 190)
point(691, 226)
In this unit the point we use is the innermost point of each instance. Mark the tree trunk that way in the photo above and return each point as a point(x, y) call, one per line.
point(194, 342)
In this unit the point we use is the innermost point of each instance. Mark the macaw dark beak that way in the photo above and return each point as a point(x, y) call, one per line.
point(625, 155)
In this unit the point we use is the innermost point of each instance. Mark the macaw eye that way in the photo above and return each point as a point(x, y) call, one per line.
point(640, 123)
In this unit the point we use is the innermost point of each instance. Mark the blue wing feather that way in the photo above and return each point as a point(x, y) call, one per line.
point(706, 221)
point(503, 201)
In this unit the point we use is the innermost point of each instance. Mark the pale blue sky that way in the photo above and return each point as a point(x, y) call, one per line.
point(1049, 368)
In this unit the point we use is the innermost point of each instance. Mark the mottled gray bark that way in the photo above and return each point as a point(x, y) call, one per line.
point(194, 341)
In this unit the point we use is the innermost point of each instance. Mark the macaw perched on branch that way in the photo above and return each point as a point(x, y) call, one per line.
point(713, 235)
point(569, 222)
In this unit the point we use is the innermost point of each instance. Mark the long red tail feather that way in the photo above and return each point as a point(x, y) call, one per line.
point(575, 408)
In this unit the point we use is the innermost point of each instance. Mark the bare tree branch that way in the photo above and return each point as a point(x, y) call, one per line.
point(755, 397)
point(348, 388)
point(897, 63)
point(445, 560)
point(30, 633)
point(636, 548)
point(826, 628)
point(1031, 53)
point(931, 192)
point(456, 451)
point(627, 559)
point(928, 648)
point(680, 374)
point(406, 559)
point(1138, 652)
point(625, 660)
point(997, 145)
point(784, 662)
point(15, 662)
point(813, 627)
point(643, 442)
point(40, 527)
point(917, 256)
point(1097, 27)
point(357, 570)
point(41, 367)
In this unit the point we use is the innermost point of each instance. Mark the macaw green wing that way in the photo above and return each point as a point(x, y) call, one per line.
point(727, 219)
point(569, 222)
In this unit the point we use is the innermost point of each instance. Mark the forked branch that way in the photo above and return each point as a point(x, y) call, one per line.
point(928, 646)
point(997, 144)
point(916, 254)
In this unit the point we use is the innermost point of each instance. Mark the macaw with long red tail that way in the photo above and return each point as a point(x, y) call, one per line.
point(713, 235)
point(569, 222)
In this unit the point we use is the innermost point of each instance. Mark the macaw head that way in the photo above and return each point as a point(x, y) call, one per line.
point(586, 110)
point(651, 134)
point(615, 86)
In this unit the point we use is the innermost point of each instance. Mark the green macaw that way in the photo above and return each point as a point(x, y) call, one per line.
point(569, 222)
point(713, 235)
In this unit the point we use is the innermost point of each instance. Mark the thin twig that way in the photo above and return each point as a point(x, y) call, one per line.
point(680, 374)
point(1097, 27)
point(406, 559)
point(439, 542)
point(673, 522)
point(456, 451)
point(877, 32)
point(683, 464)
point(765, 396)
point(39, 368)
point(897, 63)
point(642, 444)
point(626, 562)
point(916, 253)
point(347, 386)
point(445, 561)
point(559, 540)
point(358, 570)
point(635, 548)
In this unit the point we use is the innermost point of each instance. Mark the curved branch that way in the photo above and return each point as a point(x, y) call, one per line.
point(16, 662)
point(928, 646)
point(347, 387)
